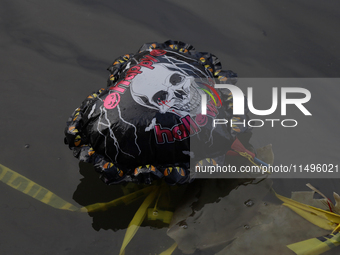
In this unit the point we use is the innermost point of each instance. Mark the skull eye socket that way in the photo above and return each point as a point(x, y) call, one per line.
point(160, 96)
point(176, 79)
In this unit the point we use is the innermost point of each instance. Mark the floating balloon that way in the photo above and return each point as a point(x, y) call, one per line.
point(143, 125)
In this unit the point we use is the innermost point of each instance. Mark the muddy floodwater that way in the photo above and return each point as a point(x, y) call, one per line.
point(53, 54)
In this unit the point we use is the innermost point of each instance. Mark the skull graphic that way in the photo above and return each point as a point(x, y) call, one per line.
point(167, 90)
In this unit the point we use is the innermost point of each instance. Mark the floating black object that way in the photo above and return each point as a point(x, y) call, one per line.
point(141, 126)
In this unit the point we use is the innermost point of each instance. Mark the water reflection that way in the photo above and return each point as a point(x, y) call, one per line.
point(92, 190)
point(210, 216)
point(213, 211)
point(235, 216)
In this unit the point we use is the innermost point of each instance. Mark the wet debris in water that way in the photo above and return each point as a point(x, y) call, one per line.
point(26, 145)
point(183, 224)
point(249, 203)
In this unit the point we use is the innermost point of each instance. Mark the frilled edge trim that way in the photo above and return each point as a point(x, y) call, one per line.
point(112, 174)
point(208, 60)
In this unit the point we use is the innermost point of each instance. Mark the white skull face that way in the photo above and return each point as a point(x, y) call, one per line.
point(166, 90)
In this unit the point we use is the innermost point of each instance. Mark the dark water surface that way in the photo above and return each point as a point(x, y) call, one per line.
point(55, 53)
